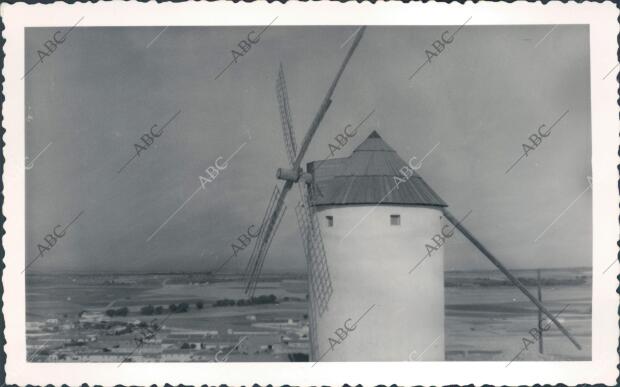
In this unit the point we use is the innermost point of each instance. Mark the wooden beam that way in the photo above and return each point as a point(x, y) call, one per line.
point(509, 275)
point(540, 320)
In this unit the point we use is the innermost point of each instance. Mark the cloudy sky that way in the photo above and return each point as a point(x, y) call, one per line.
point(480, 99)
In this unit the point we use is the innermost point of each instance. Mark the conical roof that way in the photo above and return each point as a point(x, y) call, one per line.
point(374, 142)
point(370, 175)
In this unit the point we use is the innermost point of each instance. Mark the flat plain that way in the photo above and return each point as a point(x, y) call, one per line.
point(107, 317)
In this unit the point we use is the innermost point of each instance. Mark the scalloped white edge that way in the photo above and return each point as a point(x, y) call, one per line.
point(602, 19)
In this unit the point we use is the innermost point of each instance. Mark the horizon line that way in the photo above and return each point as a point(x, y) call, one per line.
point(267, 273)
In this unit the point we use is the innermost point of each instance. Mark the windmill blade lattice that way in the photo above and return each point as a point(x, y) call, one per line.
point(271, 220)
point(319, 281)
point(261, 231)
point(285, 117)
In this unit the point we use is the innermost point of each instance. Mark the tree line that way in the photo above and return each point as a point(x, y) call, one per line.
point(264, 299)
point(150, 310)
point(183, 307)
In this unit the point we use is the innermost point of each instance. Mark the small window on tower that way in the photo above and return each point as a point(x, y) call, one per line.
point(330, 221)
point(395, 220)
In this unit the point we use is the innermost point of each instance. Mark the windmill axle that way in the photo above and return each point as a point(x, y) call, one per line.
point(292, 175)
point(288, 174)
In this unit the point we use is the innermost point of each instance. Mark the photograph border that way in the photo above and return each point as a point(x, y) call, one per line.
point(602, 20)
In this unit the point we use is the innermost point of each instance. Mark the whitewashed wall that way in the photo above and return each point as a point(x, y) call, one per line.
point(370, 266)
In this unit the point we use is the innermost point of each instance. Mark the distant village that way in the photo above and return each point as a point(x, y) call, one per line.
point(146, 333)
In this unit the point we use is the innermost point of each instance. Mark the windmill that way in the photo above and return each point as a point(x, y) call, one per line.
point(352, 184)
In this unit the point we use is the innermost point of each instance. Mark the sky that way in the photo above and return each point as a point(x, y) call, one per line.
point(479, 99)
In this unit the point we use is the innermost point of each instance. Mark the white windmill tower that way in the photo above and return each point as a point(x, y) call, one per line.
point(373, 235)
point(354, 265)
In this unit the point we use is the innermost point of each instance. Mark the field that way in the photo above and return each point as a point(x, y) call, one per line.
point(486, 319)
